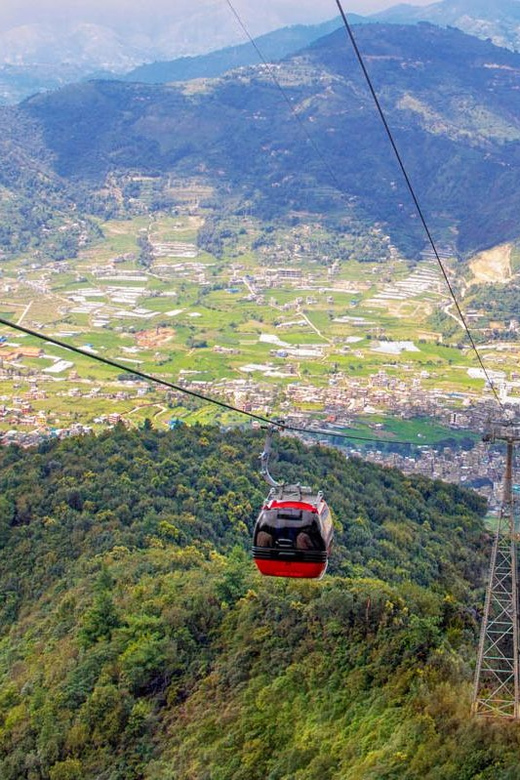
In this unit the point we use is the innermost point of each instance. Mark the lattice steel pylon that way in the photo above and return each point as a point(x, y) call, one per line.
point(497, 675)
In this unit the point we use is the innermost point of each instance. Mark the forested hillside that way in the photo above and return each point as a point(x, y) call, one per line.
point(451, 100)
point(38, 209)
point(138, 641)
point(274, 45)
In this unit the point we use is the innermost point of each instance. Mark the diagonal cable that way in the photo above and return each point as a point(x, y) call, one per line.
point(193, 393)
point(272, 74)
point(414, 196)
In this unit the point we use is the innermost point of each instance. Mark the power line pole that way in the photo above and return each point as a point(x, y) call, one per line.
point(497, 675)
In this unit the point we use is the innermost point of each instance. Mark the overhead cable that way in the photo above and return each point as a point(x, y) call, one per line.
point(341, 190)
point(272, 74)
point(127, 369)
point(414, 196)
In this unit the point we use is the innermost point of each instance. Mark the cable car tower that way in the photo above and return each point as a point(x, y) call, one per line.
point(497, 681)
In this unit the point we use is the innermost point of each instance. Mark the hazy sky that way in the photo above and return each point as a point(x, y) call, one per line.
point(18, 12)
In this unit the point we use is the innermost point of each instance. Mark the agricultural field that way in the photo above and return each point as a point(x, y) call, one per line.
point(264, 331)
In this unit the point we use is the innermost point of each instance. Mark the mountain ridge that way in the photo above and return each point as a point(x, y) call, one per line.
point(273, 47)
point(499, 21)
point(451, 99)
point(40, 56)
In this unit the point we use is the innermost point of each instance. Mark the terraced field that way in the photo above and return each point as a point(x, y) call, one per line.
point(243, 327)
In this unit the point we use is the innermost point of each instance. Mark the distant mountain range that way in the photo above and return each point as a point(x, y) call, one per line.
point(452, 100)
point(40, 57)
point(498, 20)
point(273, 46)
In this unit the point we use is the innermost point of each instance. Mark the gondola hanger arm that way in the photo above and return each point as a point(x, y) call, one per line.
point(266, 454)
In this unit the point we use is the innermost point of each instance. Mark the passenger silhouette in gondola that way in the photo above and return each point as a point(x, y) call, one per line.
point(264, 539)
point(293, 532)
point(303, 540)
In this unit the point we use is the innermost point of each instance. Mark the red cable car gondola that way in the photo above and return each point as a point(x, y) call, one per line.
point(293, 533)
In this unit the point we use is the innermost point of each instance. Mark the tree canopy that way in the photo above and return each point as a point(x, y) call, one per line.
point(138, 640)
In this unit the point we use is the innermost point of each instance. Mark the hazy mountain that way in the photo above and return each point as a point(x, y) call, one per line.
point(273, 46)
point(42, 57)
point(452, 100)
point(498, 20)
point(46, 55)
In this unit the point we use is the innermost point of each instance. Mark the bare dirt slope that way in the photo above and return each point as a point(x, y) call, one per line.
point(493, 265)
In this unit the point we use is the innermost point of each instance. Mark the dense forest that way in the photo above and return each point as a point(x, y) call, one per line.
point(138, 640)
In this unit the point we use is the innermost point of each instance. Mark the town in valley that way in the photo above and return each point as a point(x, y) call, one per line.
point(285, 330)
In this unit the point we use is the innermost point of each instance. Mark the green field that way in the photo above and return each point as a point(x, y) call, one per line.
point(207, 319)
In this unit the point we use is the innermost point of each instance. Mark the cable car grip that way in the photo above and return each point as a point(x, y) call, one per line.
point(266, 454)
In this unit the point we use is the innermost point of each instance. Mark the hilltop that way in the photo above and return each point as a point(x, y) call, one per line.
point(274, 46)
point(497, 20)
point(138, 641)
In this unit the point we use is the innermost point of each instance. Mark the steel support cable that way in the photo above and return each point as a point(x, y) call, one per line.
point(411, 189)
point(193, 393)
point(400, 162)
